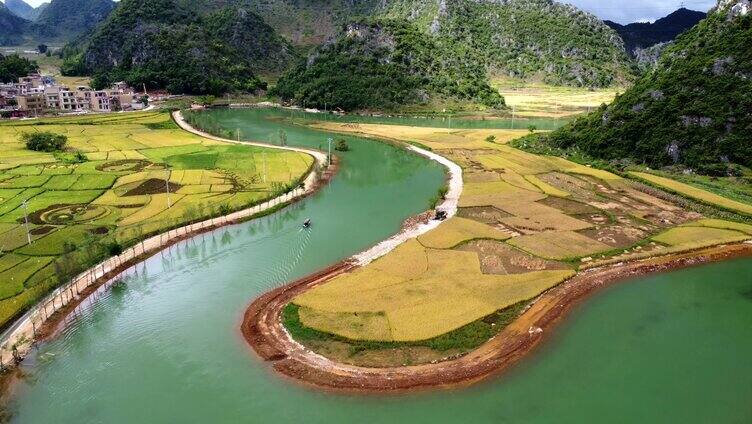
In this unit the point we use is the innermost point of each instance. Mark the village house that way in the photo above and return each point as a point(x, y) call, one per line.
point(35, 94)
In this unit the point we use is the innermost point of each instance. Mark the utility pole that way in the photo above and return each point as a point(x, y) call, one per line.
point(329, 157)
point(26, 220)
point(238, 135)
point(264, 156)
point(167, 187)
point(513, 116)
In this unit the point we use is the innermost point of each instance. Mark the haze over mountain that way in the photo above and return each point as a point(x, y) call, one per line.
point(694, 109)
point(12, 27)
point(21, 9)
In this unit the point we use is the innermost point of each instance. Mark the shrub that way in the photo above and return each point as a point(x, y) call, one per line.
point(44, 141)
point(342, 146)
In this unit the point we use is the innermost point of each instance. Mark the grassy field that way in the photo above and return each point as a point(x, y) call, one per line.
point(80, 212)
point(526, 222)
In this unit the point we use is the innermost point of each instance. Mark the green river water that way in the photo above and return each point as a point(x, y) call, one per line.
point(165, 347)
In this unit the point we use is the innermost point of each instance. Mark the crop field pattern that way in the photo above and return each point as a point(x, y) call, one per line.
point(118, 195)
point(525, 224)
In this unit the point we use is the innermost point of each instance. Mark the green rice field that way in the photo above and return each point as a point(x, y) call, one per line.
point(139, 175)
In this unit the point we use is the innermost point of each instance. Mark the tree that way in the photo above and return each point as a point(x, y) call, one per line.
point(532, 128)
point(44, 141)
point(14, 66)
point(491, 139)
point(42, 48)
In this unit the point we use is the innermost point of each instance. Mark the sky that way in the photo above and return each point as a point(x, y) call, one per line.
point(622, 11)
point(628, 11)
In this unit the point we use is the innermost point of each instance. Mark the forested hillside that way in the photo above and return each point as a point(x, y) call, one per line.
point(694, 109)
point(177, 46)
point(531, 39)
point(383, 64)
point(67, 19)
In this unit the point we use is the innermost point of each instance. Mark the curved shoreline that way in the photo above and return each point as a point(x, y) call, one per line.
point(47, 317)
point(263, 330)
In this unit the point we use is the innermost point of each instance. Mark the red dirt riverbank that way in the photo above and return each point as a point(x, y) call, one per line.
point(263, 330)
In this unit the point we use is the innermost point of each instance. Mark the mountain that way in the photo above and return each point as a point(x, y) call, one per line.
point(67, 19)
point(694, 109)
point(641, 35)
point(530, 39)
point(181, 46)
point(506, 37)
point(311, 22)
point(20, 8)
point(12, 27)
point(384, 64)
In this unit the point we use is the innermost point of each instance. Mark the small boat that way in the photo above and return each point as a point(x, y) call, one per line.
point(307, 223)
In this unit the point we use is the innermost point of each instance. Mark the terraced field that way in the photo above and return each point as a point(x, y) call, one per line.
point(141, 175)
point(525, 224)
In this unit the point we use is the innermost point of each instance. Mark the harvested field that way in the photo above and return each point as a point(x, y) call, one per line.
point(501, 259)
point(559, 245)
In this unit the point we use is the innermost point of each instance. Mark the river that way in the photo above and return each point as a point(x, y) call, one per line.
point(166, 347)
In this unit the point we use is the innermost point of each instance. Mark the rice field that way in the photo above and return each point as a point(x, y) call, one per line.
point(460, 230)
point(370, 304)
point(531, 99)
point(526, 223)
point(695, 193)
point(79, 211)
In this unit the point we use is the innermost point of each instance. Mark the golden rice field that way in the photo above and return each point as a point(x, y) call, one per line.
point(382, 303)
point(540, 218)
point(117, 194)
point(694, 192)
point(530, 99)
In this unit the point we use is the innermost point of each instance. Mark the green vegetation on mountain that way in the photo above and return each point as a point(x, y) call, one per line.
point(13, 66)
point(311, 22)
point(167, 44)
point(693, 110)
point(384, 64)
point(67, 19)
point(532, 39)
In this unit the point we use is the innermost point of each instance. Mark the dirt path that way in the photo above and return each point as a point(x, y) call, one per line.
point(263, 330)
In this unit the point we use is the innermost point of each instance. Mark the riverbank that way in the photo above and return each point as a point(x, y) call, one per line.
point(262, 328)
point(45, 319)
point(554, 217)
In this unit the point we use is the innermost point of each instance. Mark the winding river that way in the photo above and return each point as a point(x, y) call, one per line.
point(165, 346)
